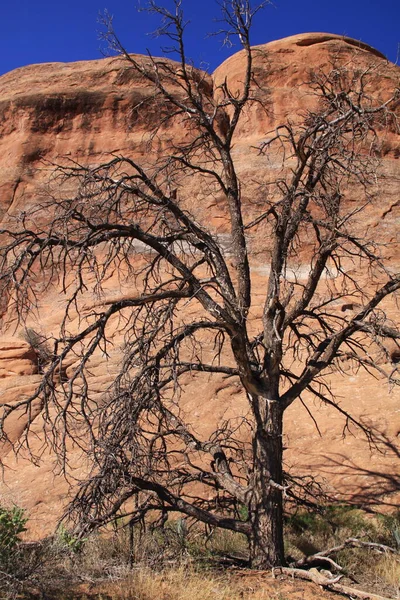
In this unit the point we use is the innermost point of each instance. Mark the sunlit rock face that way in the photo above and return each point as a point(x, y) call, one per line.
point(55, 113)
point(86, 110)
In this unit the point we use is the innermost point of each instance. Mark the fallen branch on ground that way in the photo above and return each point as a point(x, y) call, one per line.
point(331, 585)
point(324, 555)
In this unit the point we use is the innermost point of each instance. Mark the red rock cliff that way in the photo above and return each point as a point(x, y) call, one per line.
point(85, 110)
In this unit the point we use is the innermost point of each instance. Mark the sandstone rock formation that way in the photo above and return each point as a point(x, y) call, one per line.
point(84, 111)
point(17, 358)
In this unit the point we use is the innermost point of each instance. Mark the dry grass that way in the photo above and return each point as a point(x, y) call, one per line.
point(185, 583)
point(375, 572)
point(225, 543)
point(170, 564)
point(388, 571)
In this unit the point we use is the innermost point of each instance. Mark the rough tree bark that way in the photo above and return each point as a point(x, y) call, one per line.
point(266, 505)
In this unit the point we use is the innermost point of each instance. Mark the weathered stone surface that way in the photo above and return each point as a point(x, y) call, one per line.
point(16, 358)
point(18, 380)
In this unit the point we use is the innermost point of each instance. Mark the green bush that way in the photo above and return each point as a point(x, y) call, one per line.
point(69, 541)
point(331, 521)
point(12, 524)
point(390, 533)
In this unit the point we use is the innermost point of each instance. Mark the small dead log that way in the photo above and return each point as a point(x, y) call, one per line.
point(330, 584)
point(317, 560)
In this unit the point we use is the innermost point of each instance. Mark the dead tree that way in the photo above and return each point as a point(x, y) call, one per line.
point(187, 313)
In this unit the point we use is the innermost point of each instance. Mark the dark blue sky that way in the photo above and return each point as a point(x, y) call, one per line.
point(50, 30)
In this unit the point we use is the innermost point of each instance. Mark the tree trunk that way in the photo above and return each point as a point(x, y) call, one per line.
point(266, 506)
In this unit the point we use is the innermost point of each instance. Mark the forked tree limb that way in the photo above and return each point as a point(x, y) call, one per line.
point(356, 543)
point(349, 543)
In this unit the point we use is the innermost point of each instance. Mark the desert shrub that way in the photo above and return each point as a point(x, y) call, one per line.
point(332, 522)
point(12, 524)
point(69, 542)
point(26, 568)
point(390, 529)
